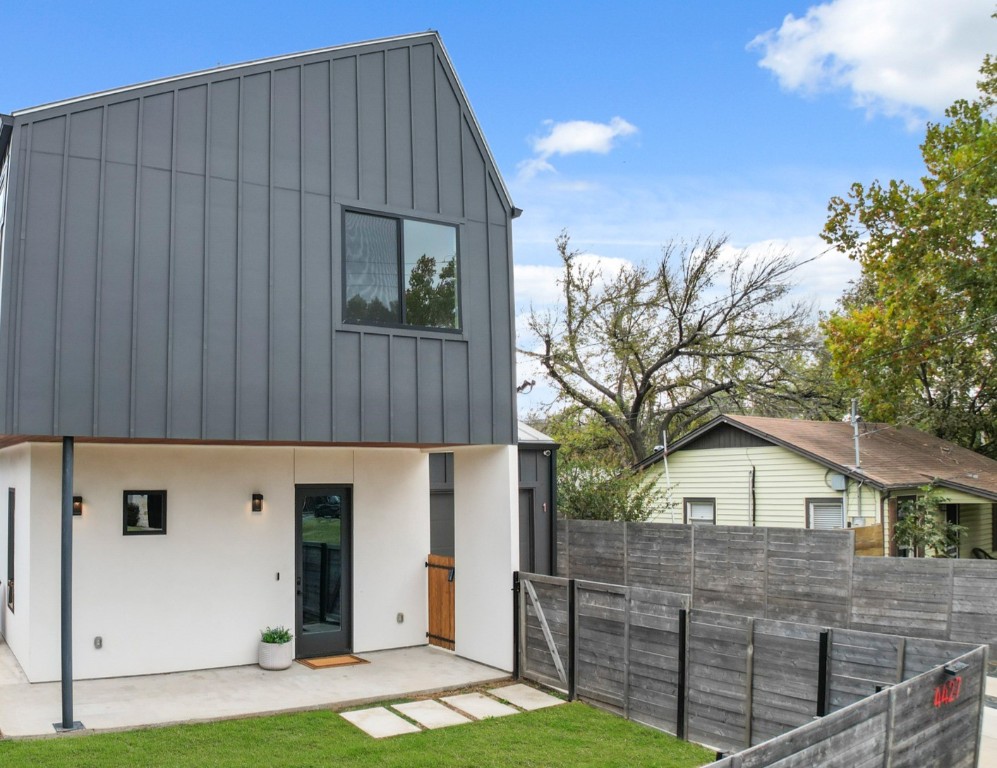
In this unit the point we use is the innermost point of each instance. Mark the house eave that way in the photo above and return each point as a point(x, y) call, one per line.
point(852, 472)
point(942, 482)
point(6, 131)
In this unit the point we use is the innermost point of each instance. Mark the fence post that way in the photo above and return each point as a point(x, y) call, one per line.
point(626, 555)
point(984, 666)
point(901, 659)
point(888, 741)
point(516, 623)
point(680, 689)
point(685, 672)
point(572, 641)
point(626, 653)
point(692, 564)
point(765, 576)
point(823, 666)
point(749, 683)
point(948, 615)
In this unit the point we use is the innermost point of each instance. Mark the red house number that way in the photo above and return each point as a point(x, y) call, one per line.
point(948, 691)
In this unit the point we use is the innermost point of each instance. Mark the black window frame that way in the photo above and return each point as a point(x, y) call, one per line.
point(400, 220)
point(124, 513)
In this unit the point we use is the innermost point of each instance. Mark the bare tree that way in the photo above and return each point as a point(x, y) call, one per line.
point(662, 348)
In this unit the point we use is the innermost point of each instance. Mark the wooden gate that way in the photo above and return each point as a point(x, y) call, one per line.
point(441, 601)
point(869, 540)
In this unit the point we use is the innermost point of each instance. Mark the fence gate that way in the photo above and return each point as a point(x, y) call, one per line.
point(441, 601)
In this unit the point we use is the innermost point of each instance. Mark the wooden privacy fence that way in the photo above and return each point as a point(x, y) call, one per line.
point(932, 720)
point(788, 574)
point(733, 682)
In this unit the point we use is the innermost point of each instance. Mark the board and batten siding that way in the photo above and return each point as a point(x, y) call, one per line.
point(174, 257)
point(783, 483)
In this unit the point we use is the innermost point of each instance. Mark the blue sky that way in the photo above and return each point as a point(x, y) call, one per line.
point(626, 123)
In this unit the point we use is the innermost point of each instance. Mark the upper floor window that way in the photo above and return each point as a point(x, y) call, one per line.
point(400, 272)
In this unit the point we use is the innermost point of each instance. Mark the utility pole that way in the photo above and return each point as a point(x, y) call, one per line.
point(855, 430)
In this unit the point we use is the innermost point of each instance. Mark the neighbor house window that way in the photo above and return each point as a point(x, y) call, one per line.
point(399, 272)
point(700, 511)
point(144, 512)
point(825, 513)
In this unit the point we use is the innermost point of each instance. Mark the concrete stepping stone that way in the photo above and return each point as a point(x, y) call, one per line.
point(430, 714)
point(525, 697)
point(380, 722)
point(479, 706)
point(992, 686)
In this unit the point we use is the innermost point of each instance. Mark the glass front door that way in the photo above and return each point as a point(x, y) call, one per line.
point(323, 528)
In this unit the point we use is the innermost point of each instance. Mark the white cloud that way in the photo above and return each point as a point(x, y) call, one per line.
point(573, 137)
point(897, 57)
point(581, 136)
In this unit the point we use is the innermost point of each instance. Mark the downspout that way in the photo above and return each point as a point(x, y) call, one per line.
point(553, 510)
point(752, 507)
point(668, 479)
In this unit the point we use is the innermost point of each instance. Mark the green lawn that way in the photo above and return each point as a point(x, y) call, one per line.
point(574, 735)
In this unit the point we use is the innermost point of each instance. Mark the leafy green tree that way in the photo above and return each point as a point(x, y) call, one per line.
point(589, 490)
point(594, 478)
point(922, 527)
point(431, 300)
point(917, 336)
point(664, 347)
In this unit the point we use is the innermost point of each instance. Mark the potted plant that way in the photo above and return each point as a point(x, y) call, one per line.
point(276, 651)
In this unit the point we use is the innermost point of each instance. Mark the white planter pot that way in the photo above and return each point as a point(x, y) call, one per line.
point(276, 655)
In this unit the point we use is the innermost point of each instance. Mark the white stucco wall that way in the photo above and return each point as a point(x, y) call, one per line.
point(391, 544)
point(198, 596)
point(486, 551)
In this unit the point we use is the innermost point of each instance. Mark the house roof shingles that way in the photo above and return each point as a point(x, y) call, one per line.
point(890, 456)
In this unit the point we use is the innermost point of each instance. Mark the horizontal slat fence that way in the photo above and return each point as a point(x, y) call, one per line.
point(906, 726)
point(748, 685)
point(789, 574)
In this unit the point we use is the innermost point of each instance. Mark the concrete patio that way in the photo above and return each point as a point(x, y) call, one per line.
point(28, 709)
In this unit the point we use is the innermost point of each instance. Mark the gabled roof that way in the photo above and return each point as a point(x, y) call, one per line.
point(432, 35)
point(891, 457)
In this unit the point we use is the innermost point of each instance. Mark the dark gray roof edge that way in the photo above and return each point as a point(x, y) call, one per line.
point(225, 68)
point(515, 212)
point(6, 131)
point(851, 472)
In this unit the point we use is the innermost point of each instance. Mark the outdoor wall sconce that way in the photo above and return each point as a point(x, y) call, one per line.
point(257, 502)
point(77, 506)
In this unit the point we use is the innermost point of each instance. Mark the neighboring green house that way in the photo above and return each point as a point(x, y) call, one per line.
point(750, 470)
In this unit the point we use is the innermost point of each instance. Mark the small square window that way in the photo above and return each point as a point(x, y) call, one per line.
point(701, 511)
point(144, 513)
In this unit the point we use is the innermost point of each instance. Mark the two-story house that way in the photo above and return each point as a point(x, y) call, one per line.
point(239, 309)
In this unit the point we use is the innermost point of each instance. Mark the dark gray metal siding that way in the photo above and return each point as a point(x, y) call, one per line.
point(175, 267)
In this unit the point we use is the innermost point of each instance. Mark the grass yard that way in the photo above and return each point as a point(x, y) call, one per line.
point(574, 735)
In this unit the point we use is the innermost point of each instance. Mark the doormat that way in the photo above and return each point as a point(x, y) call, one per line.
point(324, 662)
